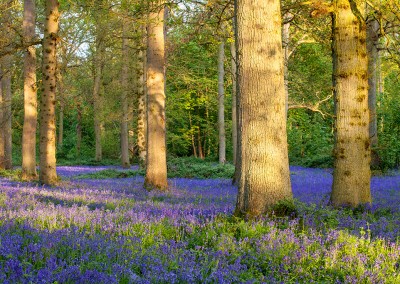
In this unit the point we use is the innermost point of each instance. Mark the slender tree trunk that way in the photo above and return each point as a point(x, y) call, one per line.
point(2, 157)
point(30, 95)
point(48, 174)
point(7, 114)
point(78, 129)
point(351, 175)
point(97, 98)
point(60, 136)
point(234, 101)
point(156, 169)
point(142, 106)
point(286, 40)
point(221, 105)
point(124, 99)
point(372, 48)
point(264, 177)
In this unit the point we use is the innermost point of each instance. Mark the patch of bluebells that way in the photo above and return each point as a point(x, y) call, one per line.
point(114, 231)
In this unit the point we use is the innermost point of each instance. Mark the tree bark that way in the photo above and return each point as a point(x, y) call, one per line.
point(372, 48)
point(142, 106)
point(221, 105)
point(124, 99)
point(2, 157)
point(234, 101)
point(48, 174)
point(156, 169)
point(78, 128)
point(7, 114)
point(30, 95)
point(97, 98)
point(351, 175)
point(264, 166)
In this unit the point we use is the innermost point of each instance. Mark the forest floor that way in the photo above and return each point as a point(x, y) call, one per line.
point(111, 230)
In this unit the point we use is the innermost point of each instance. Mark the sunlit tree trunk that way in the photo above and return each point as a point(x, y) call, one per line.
point(30, 95)
point(372, 48)
point(221, 106)
point(142, 106)
point(234, 101)
point(351, 175)
point(48, 174)
point(264, 178)
point(124, 99)
point(156, 169)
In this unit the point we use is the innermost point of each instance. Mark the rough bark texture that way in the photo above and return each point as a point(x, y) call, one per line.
point(221, 105)
point(30, 95)
point(156, 169)
point(264, 178)
point(234, 101)
point(124, 99)
point(351, 176)
point(7, 114)
point(372, 48)
point(48, 174)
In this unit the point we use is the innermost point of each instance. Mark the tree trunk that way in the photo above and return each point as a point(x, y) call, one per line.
point(124, 99)
point(351, 175)
point(7, 114)
point(30, 95)
point(142, 106)
point(156, 169)
point(372, 48)
point(286, 40)
point(221, 106)
point(97, 98)
point(2, 157)
point(264, 178)
point(48, 174)
point(78, 129)
point(234, 101)
point(60, 137)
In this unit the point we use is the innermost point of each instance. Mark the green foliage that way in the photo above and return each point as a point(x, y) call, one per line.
point(110, 173)
point(197, 168)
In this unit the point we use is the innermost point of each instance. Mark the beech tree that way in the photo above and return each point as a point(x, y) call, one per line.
point(351, 174)
point(30, 95)
point(263, 153)
point(156, 168)
point(221, 106)
point(48, 174)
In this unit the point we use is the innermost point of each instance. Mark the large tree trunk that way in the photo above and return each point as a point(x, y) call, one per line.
point(48, 174)
point(372, 48)
point(234, 101)
point(351, 175)
point(30, 95)
point(7, 114)
point(264, 178)
point(124, 99)
point(221, 105)
point(156, 169)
